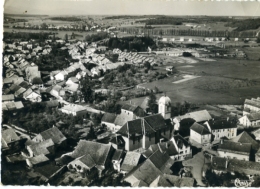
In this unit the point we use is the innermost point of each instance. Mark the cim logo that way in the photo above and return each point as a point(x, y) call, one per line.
point(243, 183)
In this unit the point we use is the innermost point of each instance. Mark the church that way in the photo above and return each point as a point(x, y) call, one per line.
point(152, 129)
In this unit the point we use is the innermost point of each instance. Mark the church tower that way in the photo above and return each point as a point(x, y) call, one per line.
point(165, 107)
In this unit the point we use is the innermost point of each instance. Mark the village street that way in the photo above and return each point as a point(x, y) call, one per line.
point(197, 163)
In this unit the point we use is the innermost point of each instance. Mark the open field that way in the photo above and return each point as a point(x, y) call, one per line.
point(252, 53)
point(220, 82)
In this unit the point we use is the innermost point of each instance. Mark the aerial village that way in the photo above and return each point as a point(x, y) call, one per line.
point(136, 145)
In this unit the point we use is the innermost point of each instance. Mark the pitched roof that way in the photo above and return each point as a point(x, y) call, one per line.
point(129, 107)
point(254, 116)
point(41, 147)
point(117, 154)
point(71, 87)
point(98, 151)
point(155, 121)
point(159, 159)
point(53, 133)
point(131, 161)
point(198, 116)
point(256, 133)
point(38, 159)
point(235, 147)
point(9, 135)
point(200, 129)
point(108, 117)
point(73, 108)
point(87, 160)
point(7, 97)
point(147, 172)
point(180, 141)
point(221, 124)
point(121, 119)
point(244, 137)
point(146, 125)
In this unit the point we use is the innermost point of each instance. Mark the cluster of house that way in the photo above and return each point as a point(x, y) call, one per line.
point(37, 153)
point(16, 88)
point(251, 113)
point(240, 154)
point(133, 57)
point(23, 79)
point(21, 49)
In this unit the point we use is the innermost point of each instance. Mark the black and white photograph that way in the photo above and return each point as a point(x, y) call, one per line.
point(130, 93)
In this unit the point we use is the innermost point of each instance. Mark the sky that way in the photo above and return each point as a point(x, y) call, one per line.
point(133, 7)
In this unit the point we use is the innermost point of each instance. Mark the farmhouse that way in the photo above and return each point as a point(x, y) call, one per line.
point(199, 117)
point(244, 137)
point(234, 150)
point(74, 109)
point(91, 154)
point(54, 134)
point(222, 128)
point(200, 134)
point(251, 119)
point(177, 148)
point(10, 141)
point(251, 105)
point(147, 173)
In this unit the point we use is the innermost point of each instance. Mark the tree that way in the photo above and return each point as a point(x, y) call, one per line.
point(147, 65)
point(152, 103)
point(186, 54)
point(66, 37)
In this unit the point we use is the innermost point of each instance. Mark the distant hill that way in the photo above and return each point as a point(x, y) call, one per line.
point(25, 15)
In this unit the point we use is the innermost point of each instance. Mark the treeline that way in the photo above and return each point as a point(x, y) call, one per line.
point(127, 17)
point(26, 36)
point(96, 37)
point(70, 19)
point(131, 43)
point(163, 20)
point(188, 32)
point(248, 24)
